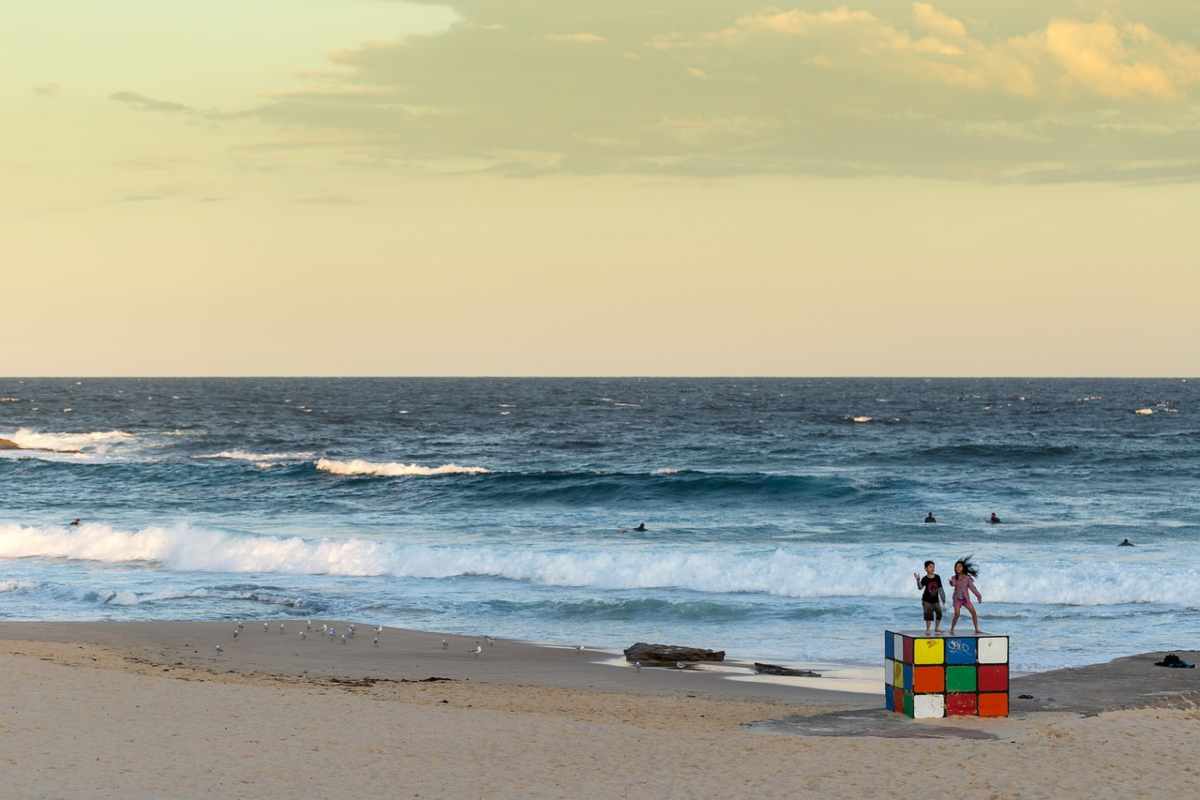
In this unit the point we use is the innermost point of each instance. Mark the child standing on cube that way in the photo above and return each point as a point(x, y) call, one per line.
point(933, 596)
point(964, 585)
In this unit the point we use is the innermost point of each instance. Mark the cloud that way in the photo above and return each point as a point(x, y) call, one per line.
point(576, 38)
point(733, 87)
point(929, 19)
point(141, 102)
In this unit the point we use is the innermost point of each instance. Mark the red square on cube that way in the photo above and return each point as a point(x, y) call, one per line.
point(961, 704)
point(993, 677)
point(908, 650)
point(898, 699)
point(993, 705)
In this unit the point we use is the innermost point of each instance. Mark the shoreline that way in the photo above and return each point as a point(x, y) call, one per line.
point(150, 710)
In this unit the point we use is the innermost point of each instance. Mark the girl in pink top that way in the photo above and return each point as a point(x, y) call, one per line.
point(963, 582)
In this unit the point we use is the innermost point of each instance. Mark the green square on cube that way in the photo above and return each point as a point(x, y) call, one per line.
point(960, 678)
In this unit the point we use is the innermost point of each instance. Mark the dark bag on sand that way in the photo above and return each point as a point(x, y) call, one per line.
point(1173, 661)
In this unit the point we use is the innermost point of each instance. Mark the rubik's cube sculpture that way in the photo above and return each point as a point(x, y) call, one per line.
point(945, 676)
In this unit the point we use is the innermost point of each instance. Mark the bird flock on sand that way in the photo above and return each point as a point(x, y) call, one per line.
point(346, 635)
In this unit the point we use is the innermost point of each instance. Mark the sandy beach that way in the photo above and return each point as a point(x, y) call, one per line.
point(151, 710)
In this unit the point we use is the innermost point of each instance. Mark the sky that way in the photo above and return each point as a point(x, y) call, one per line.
point(553, 187)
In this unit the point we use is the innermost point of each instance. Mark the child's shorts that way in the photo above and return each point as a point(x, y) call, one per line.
point(932, 610)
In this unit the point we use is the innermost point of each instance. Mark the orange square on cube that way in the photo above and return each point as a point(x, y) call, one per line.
point(929, 679)
point(993, 705)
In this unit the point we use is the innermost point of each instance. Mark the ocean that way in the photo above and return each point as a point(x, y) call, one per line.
point(784, 517)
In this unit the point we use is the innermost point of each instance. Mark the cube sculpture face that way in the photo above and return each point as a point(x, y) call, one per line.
point(945, 676)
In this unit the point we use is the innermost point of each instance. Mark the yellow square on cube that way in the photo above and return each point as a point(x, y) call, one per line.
point(929, 651)
point(898, 673)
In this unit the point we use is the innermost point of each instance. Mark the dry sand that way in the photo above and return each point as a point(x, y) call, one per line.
point(148, 710)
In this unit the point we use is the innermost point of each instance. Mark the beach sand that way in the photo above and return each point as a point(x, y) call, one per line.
point(150, 710)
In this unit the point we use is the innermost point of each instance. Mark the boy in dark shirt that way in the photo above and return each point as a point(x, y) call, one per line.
point(932, 596)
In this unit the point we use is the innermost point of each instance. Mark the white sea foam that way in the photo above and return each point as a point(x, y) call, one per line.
point(246, 455)
point(1087, 579)
point(393, 469)
point(16, 586)
point(67, 442)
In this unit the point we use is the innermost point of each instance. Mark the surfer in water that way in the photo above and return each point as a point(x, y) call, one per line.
point(1125, 543)
point(641, 527)
point(994, 519)
point(74, 523)
point(930, 518)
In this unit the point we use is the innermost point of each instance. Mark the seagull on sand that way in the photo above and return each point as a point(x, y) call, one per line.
point(491, 642)
point(281, 629)
point(303, 635)
point(266, 626)
point(308, 624)
point(344, 640)
point(379, 630)
point(219, 649)
point(375, 641)
point(477, 652)
point(445, 644)
point(236, 631)
point(578, 648)
point(637, 665)
point(351, 630)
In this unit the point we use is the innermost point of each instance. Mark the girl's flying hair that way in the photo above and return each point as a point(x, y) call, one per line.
point(968, 567)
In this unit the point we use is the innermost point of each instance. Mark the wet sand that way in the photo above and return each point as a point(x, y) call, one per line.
point(142, 710)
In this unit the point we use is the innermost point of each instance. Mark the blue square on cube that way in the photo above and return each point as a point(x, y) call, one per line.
point(908, 684)
point(960, 650)
point(889, 699)
point(888, 645)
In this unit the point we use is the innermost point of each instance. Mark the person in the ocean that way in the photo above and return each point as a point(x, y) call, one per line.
point(963, 582)
point(930, 517)
point(641, 527)
point(994, 520)
point(933, 596)
point(1125, 543)
point(74, 523)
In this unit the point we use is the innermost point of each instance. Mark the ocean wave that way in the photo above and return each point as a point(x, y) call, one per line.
point(794, 572)
point(625, 609)
point(392, 469)
point(66, 442)
point(991, 452)
point(667, 485)
point(258, 458)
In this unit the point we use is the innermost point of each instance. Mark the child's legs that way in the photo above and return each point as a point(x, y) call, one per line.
point(974, 616)
point(957, 610)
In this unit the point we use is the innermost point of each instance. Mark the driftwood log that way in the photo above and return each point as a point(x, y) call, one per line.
point(775, 669)
point(670, 654)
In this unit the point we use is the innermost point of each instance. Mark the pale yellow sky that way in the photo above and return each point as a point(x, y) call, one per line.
point(372, 187)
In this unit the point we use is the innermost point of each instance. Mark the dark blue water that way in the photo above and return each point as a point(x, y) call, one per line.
point(778, 525)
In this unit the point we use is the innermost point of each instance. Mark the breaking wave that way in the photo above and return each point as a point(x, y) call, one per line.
point(66, 442)
point(246, 455)
point(392, 469)
point(793, 572)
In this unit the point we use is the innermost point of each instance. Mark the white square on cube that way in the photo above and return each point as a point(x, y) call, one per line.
point(888, 671)
point(926, 706)
point(898, 647)
point(993, 650)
